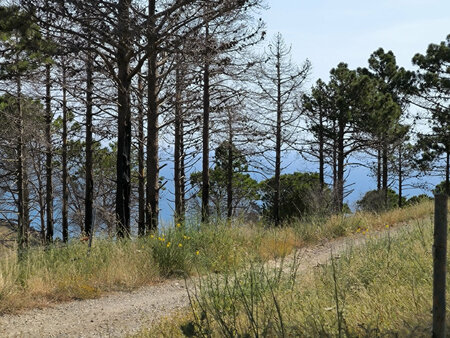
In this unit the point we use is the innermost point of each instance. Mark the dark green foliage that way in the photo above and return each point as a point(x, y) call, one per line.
point(418, 199)
point(33, 115)
point(374, 201)
point(300, 195)
point(245, 188)
point(434, 89)
point(440, 188)
point(21, 43)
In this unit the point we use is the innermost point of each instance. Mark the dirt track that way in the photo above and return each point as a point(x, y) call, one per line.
point(124, 313)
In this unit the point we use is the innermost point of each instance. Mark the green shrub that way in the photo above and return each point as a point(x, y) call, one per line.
point(374, 201)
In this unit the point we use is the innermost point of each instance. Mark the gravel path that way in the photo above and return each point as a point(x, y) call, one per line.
point(119, 314)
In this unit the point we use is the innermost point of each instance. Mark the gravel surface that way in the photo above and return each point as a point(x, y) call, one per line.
point(119, 314)
point(115, 315)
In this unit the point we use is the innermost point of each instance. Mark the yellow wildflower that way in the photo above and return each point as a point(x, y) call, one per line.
point(358, 230)
point(178, 225)
point(168, 244)
point(180, 245)
point(387, 226)
point(197, 252)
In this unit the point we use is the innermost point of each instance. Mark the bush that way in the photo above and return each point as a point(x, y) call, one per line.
point(418, 199)
point(300, 195)
point(373, 201)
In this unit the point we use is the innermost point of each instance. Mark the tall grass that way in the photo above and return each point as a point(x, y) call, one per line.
point(64, 272)
point(72, 272)
point(317, 228)
point(383, 288)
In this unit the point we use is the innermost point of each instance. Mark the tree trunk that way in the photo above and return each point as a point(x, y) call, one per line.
point(321, 153)
point(230, 172)
point(384, 156)
point(334, 159)
point(152, 126)
point(378, 169)
point(124, 123)
point(89, 197)
point(179, 148)
point(276, 204)
point(340, 167)
point(400, 176)
point(22, 239)
point(141, 158)
point(26, 201)
point(41, 201)
point(205, 140)
point(65, 187)
point(49, 157)
point(447, 173)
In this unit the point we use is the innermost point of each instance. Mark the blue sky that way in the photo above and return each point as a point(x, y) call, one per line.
point(330, 31)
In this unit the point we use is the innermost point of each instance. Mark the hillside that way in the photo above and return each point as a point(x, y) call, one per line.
point(136, 276)
point(122, 313)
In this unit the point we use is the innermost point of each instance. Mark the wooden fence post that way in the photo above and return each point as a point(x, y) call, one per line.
point(440, 264)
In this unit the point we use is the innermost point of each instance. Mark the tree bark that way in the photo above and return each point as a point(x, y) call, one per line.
point(205, 135)
point(89, 196)
point(65, 187)
point(179, 148)
point(26, 201)
point(141, 158)
point(321, 152)
point(335, 169)
point(152, 213)
point(400, 176)
point(447, 173)
point(276, 204)
point(340, 166)
point(41, 201)
point(22, 239)
point(124, 122)
point(384, 156)
point(230, 172)
point(49, 156)
point(378, 169)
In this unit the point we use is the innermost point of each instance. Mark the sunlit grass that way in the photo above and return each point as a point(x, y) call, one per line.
point(65, 272)
point(383, 288)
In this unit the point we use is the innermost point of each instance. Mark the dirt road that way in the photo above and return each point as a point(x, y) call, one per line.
point(119, 314)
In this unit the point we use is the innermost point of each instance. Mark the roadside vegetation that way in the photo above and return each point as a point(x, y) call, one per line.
point(73, 271)
point(380, 289)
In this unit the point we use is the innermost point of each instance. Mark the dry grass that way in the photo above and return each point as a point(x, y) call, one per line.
point(62, 273)
point(316, 228)
point(279, 244)
point(381, 289)
point(65, 273)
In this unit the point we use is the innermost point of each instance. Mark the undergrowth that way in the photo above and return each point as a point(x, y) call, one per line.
point(65, 272)
point(383, 288)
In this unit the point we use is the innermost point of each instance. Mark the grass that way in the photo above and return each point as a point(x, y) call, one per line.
point(66, 272)
point(383, 288)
